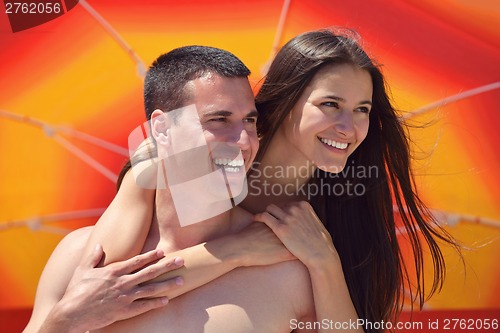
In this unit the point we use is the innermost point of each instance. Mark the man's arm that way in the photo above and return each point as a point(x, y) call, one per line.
point(255, 245)
point(94, 297)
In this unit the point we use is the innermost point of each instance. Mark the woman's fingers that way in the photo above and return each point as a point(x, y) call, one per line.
point(276, 212)
point(271, 221)
point(272, 217)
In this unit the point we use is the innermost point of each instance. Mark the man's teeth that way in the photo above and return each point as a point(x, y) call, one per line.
point(338, 145)
point(229, 165)
point(227, 161)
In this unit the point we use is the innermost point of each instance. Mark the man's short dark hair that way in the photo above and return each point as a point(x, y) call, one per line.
point(167, 77)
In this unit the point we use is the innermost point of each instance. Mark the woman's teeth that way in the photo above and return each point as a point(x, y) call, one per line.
point(338, 145)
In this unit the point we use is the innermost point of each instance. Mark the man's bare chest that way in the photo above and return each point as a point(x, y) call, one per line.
point(245, 300)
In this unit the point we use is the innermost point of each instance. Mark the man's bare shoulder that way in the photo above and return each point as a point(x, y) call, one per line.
point(57, 274)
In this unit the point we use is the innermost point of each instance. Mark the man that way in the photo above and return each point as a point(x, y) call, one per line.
point(248, 299)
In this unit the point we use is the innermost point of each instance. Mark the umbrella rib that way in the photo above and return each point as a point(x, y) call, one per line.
point(34, 223)
point(86, 158)
point(453, 98)
point(93, 140)
point(54, 230)
point(51, 130)
point(452, 219)
point(141, 68)
point(22, 118)
point(279, 29)
point(277, 36)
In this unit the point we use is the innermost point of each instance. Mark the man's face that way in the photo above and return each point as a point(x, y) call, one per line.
point(228, 118)
point(206, 147)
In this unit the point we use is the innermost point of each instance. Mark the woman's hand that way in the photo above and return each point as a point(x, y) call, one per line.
point(302, 232)
point(257, 245)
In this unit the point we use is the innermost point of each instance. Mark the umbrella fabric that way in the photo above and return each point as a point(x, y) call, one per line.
point(70, 94)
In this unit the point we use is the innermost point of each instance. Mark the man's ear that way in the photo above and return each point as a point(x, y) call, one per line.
point(160, 125)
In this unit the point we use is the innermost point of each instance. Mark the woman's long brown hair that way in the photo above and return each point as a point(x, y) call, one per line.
point(363, 226)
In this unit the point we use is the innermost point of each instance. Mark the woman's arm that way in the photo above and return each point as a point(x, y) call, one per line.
point(256, 245)
point(124, 226)
point(306, 238)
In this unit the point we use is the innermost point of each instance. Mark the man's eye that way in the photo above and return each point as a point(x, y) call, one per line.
point(250, 120)
point(220, 119)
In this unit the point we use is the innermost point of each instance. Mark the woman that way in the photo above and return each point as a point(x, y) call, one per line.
point(361, 222)
point(323, 112)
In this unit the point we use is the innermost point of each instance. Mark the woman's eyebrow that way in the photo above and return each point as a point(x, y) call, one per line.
point(340, 99)
point(335, 98)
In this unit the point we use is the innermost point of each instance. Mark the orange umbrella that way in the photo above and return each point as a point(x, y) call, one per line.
point(71, 92)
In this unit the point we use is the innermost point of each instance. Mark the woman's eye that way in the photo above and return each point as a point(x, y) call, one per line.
point(331, 104)
point(363, 109)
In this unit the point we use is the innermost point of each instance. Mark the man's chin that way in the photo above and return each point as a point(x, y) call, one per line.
point(226, 185)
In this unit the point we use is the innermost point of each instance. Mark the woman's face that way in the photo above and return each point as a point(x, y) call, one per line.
point(331, 118)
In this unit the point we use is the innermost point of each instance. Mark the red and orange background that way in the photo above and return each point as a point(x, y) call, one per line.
point(71, 73)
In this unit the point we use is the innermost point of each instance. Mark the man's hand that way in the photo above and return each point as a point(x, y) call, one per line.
point(97, 297)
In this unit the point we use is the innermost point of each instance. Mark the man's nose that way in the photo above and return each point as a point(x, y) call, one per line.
point(244, 140)
point(344, 124)
point(240, 138)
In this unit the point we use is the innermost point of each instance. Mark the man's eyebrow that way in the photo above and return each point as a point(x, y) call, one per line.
point(340, 99)
point(224, 113)
point(218, 113)
point(252, 114)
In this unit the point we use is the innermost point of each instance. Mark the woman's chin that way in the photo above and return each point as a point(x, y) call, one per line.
point(331, 168)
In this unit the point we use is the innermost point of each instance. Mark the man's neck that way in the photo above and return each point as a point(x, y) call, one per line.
point(168, 230)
